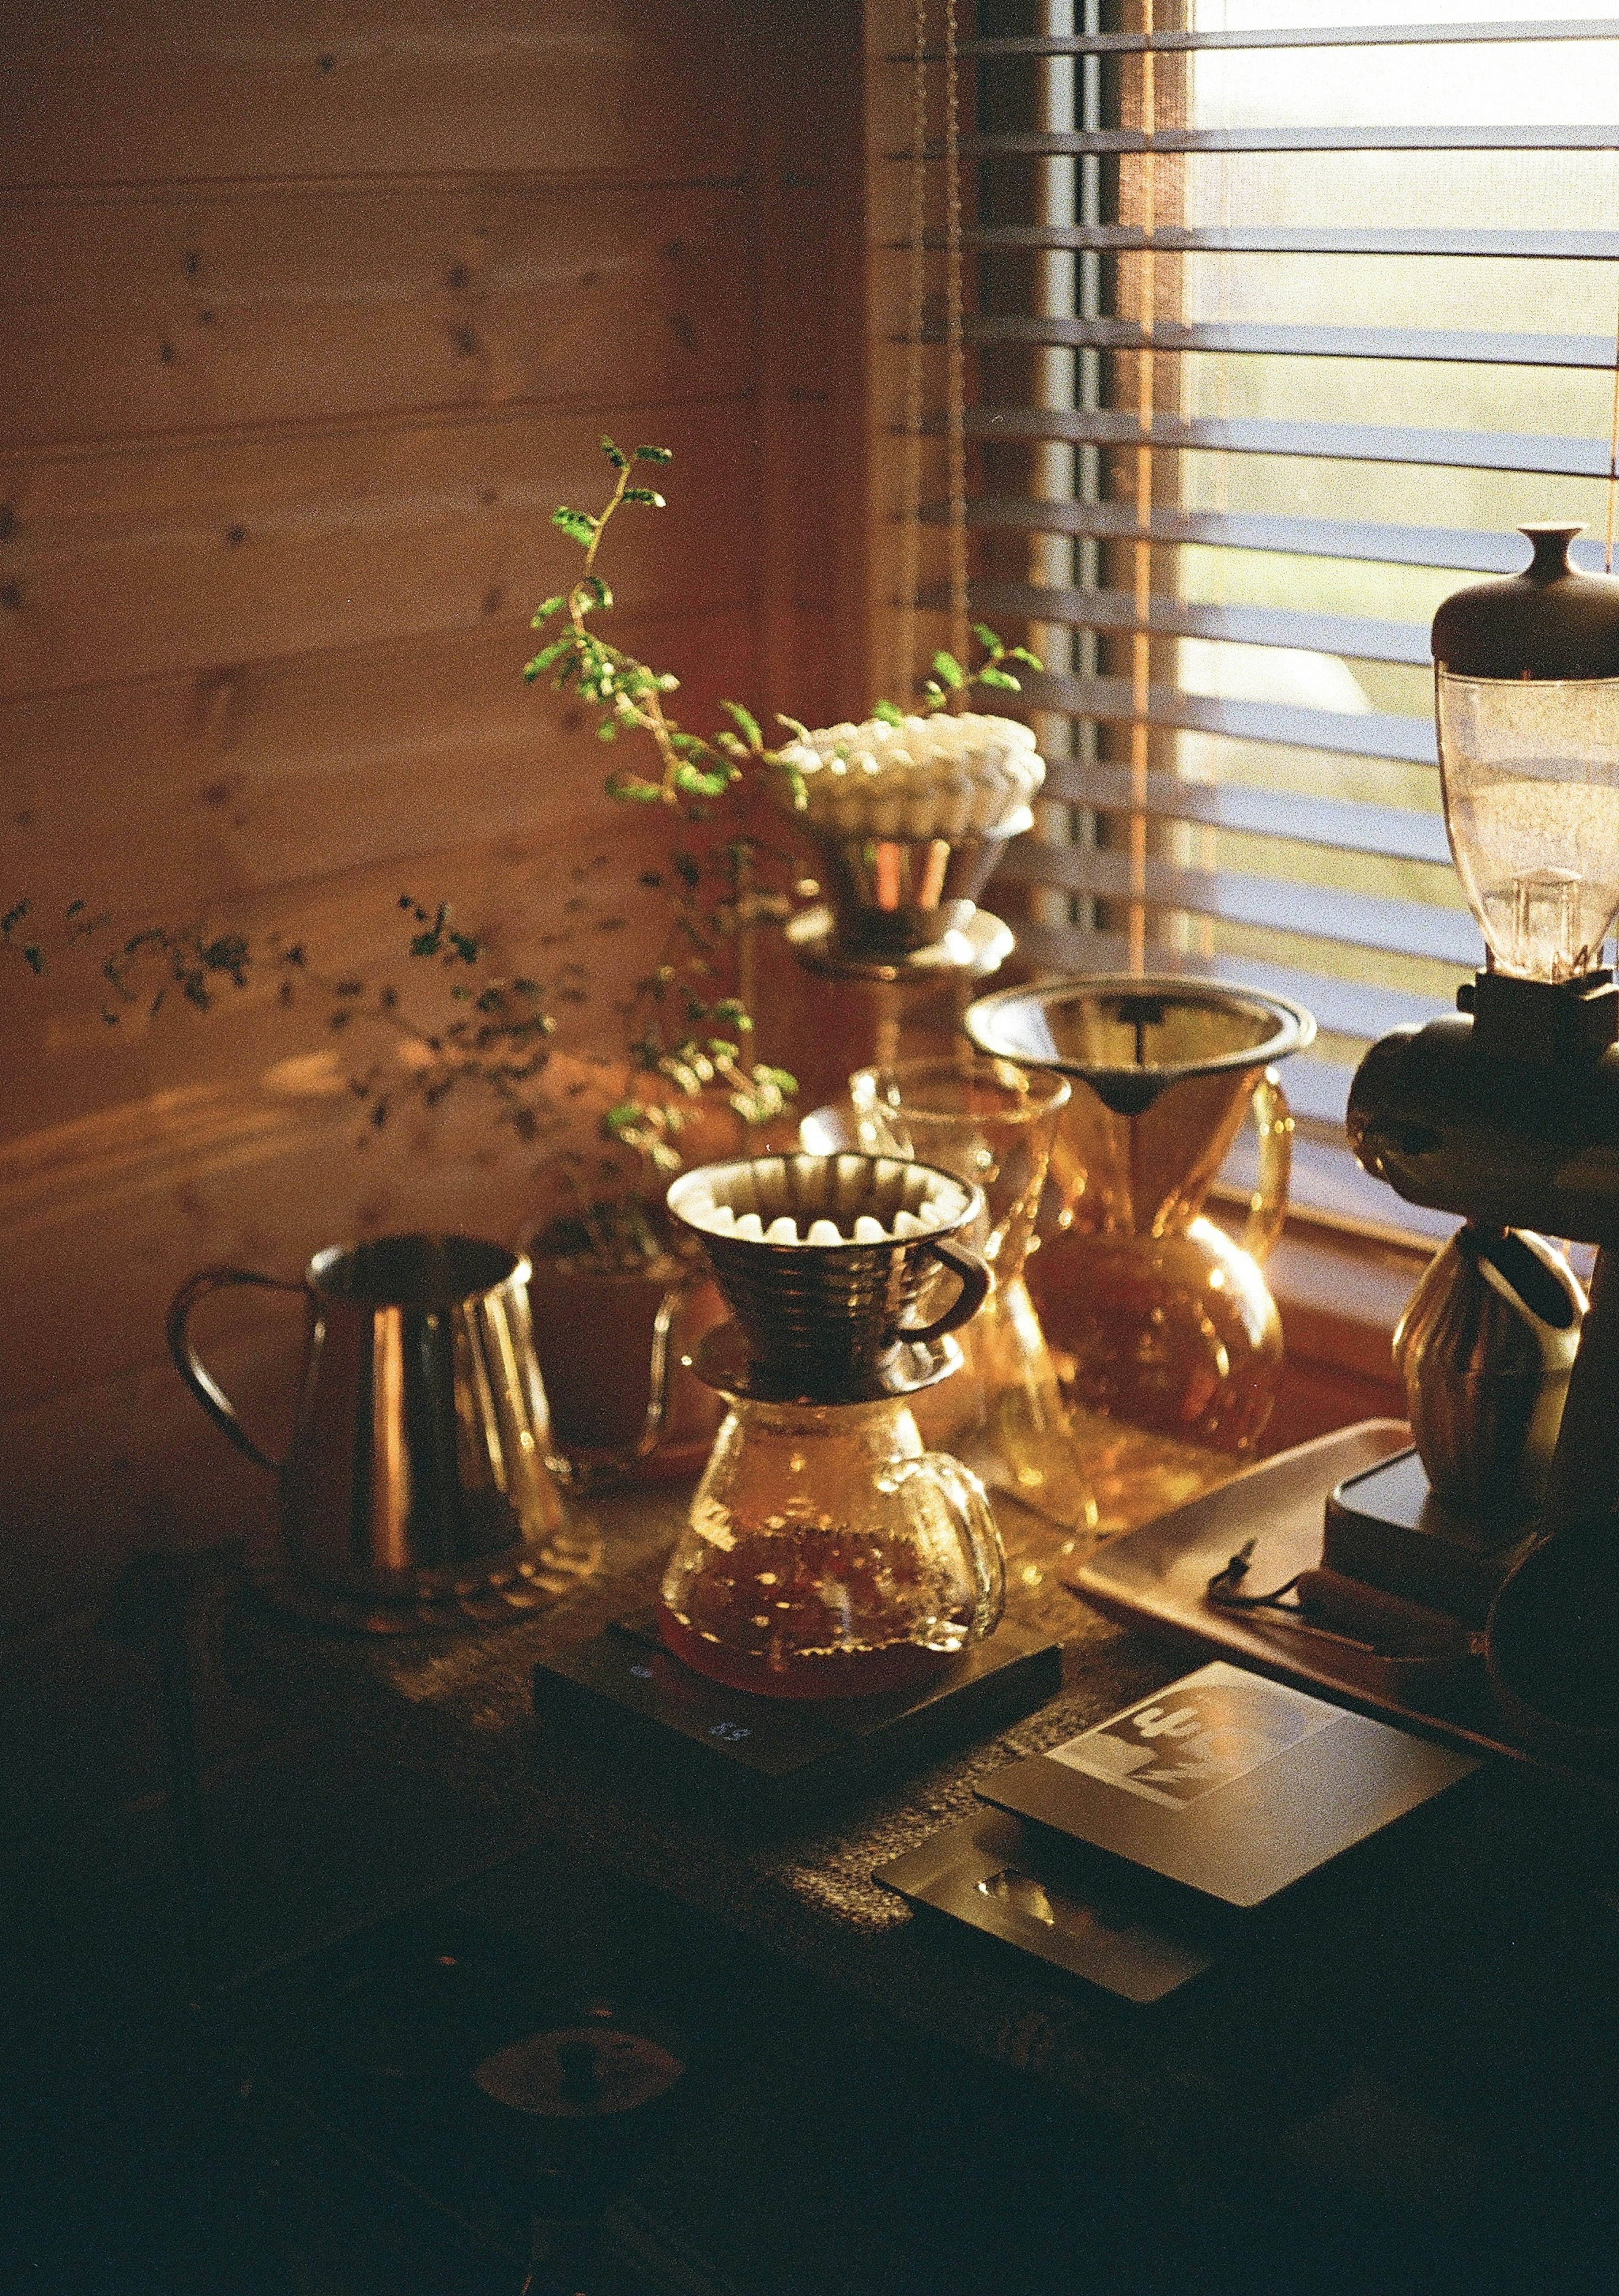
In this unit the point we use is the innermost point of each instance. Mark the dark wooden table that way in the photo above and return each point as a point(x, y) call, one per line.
point(1420, 2087)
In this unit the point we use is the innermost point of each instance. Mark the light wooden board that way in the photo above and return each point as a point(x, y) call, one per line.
point(133, 563)
point(185, 309)
point(99, 91)
point(260, 775)
point(264, 597)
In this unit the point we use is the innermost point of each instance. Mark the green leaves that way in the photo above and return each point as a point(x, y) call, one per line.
point(543, 613)
point(548, 655)
point(655, 454)
point(578, 525)
point(599, 592)
point(615, 455)
point(645, 495)
point(948, 678)
point(745, 722)
point(691, 781)
point(888, 712)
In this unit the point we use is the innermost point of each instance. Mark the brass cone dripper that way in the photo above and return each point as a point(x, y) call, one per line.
point(824, 1260)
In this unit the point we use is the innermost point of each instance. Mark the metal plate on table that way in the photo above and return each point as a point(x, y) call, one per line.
point(1157, 1577)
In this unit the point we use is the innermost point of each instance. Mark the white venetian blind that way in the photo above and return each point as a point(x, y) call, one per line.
point(1282, 322)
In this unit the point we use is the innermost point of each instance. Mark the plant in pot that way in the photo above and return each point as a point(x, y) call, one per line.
point(691, 1094)
point(620, 1296)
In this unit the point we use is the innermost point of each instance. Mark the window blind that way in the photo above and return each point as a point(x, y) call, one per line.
point(1279, 322)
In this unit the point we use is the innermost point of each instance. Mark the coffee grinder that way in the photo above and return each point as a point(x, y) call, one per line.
point(1508, 1112)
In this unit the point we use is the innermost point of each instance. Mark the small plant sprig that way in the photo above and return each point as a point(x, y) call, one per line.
point(685, 1040)
point(686, 1031)
point(680, 1032)
point(630, 694)
point(950, 683)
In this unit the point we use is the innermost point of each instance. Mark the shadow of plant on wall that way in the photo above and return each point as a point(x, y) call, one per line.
point(449, 1021)
point(446, 1020)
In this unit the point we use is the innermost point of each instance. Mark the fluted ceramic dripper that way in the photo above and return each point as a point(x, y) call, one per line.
point(824, 1260)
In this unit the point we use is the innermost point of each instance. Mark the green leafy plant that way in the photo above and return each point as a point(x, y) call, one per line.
point(950, 683)
point(630, 696)
point(686, 1025)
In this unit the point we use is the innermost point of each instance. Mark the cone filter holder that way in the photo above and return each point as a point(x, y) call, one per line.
point(824, 1261)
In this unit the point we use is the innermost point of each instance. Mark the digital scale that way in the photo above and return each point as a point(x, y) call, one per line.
point(774, 1756)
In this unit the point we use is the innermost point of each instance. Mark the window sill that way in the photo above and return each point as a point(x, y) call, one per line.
point(1341, 1296)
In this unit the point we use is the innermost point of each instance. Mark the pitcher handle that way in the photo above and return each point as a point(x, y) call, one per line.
point(582, 1479)
point(1268, 1205)
point(195, 1373)
point(980, 1536)
point(971, 1271)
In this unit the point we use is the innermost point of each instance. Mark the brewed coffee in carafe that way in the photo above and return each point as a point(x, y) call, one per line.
point(1166, 1339)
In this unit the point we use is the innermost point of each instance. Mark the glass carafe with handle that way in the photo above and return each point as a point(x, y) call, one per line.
point(1165, 1333)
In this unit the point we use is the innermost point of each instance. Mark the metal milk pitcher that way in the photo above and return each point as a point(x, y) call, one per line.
point(417, 1465)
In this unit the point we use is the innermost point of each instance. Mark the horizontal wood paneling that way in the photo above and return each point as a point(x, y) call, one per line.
point(243, 778)
point(114, 91)
point(183, 309)
point(565, 894)
point(308, 319)
point(150, 1149)
point(172, 557)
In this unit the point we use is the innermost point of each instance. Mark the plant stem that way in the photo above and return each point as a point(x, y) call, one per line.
point(649, 712)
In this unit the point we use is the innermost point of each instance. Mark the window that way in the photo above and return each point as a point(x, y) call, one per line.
point(1279, 322)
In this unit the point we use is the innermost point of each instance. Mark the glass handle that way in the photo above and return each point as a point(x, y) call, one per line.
point(190, 1365)
point(1268, 1205)
point(980, 1535)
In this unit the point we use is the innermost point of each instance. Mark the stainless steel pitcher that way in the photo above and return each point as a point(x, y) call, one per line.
point(417, 1468)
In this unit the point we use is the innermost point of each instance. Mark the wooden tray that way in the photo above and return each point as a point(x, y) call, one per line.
point(1157, 1577)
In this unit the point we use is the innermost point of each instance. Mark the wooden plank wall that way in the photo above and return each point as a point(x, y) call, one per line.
point(309, 312)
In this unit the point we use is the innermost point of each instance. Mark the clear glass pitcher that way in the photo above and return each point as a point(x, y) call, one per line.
point(829, 1555)
point(993, 1126)
point(1165, 1335)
